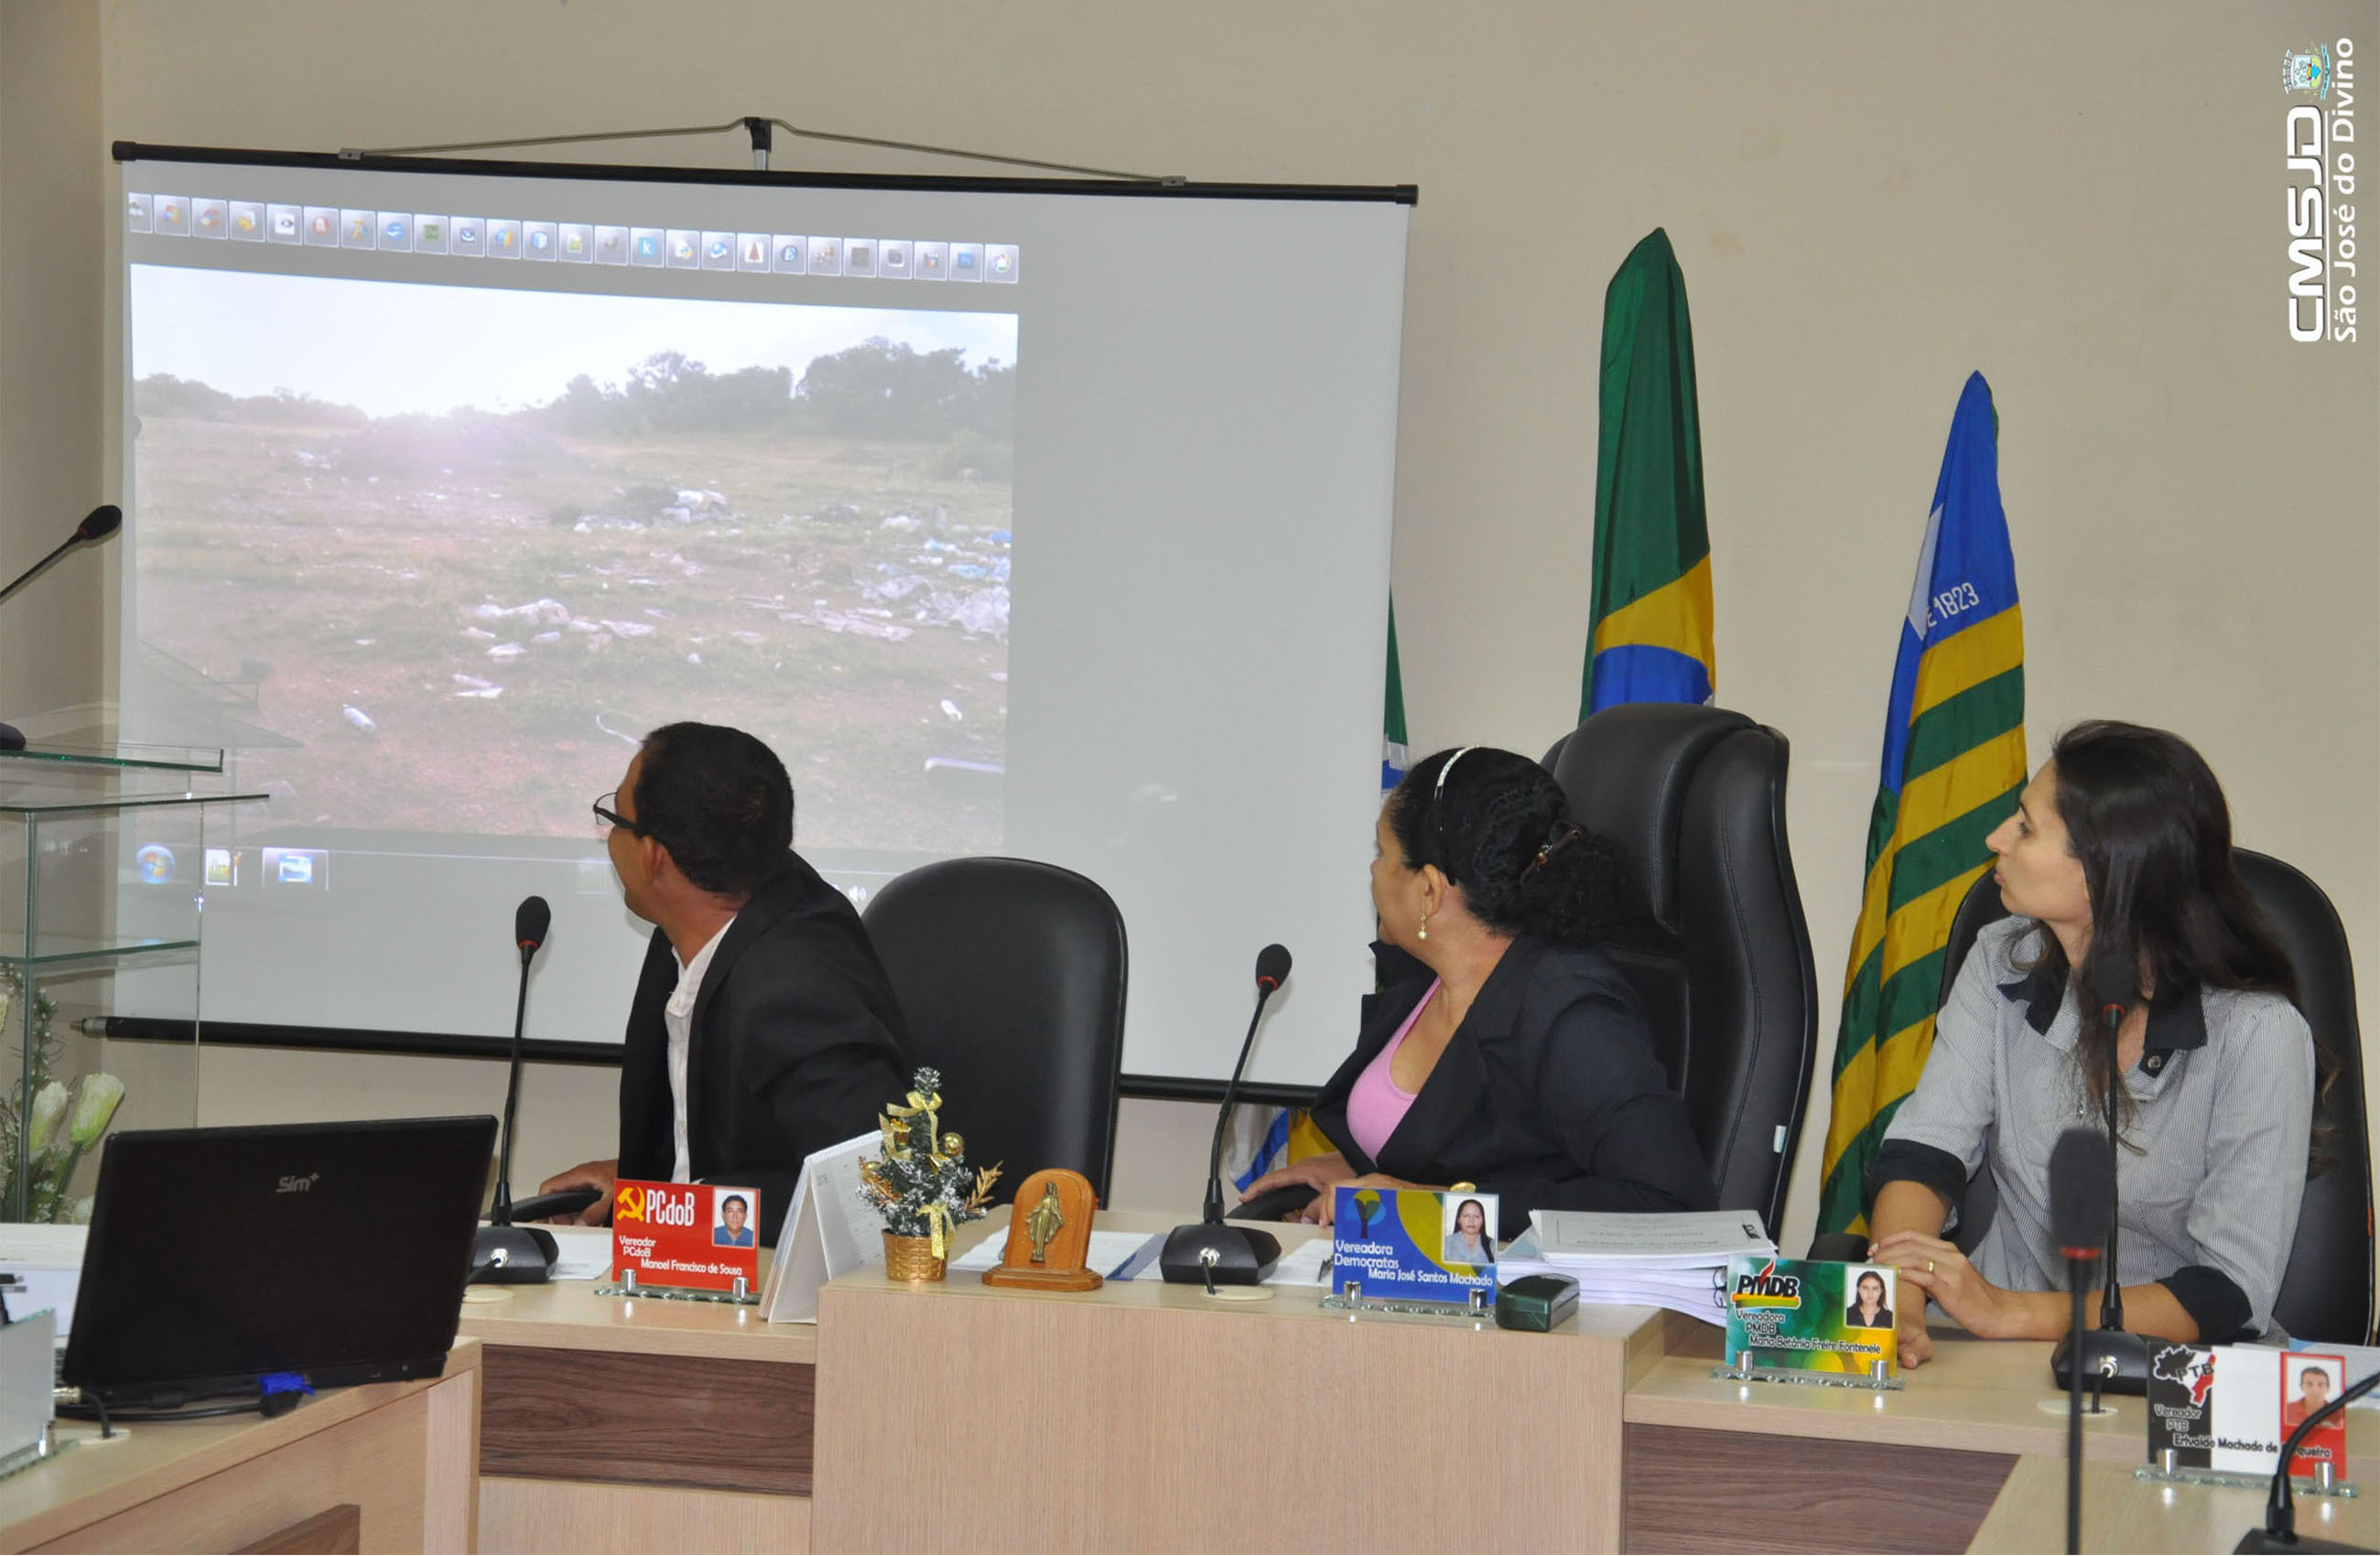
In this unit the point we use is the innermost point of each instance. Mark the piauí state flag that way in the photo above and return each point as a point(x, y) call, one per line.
point(1649, 637)
point(1953, 763)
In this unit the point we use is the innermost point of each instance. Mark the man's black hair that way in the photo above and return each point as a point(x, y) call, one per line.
point(720, 802)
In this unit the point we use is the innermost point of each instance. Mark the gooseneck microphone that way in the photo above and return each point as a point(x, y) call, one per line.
point(504, 1253)
point(2280, 1530)
point(2081, 1201)
point(1209, 1251)
point(2111, 1360)
point(96, 526)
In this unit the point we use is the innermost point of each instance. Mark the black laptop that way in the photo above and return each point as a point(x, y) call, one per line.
point(336, 1251)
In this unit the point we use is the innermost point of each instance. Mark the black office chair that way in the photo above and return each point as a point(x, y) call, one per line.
point(1010, 976)
point(1712, 937)
point(2328, 1290)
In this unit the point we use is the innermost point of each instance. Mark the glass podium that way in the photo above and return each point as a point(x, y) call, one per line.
point(104, 862)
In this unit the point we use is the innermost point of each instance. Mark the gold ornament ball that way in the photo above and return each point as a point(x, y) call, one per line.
point(954, 1146)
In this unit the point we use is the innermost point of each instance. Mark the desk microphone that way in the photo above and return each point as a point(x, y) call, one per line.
point(2115, 1362)
point(96, 526)
point(2081, 1201)
point(504, 1253)
point(2280, 1530)
point(1207, 1250)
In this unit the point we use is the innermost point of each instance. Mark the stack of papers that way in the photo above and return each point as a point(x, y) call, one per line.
point(1674, 1261)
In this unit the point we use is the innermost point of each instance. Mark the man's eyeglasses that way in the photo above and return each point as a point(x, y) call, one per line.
point(607, 817)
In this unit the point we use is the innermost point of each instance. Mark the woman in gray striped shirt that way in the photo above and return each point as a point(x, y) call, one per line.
point(2117, 869)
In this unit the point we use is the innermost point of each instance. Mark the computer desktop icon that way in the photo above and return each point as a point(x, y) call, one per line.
point(610, 246)
point(469, 235)
point(539, 240)
point(209, 218)
point(1000, 261)
point(396, 231)
point(578, 242)
point(966, 261)
point(645, 245)
point(791, 254)
point(322, 225)
point(505, 240)
point(247, 220)
point(284, 224)
point(136, 212)
point(428, 235)
point(684, 249)
point(170, 215)
point(718, 250)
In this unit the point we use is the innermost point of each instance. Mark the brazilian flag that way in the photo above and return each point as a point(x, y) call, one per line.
point(1649, 637)
point(1954, 761)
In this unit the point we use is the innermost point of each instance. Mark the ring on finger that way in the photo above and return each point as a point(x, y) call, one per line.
point(1929, 1267)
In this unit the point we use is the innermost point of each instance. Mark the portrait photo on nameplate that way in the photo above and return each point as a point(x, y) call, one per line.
point(1398, 1245)
point(1049, 1234)
point(685, 1236)
point(1832, 1321)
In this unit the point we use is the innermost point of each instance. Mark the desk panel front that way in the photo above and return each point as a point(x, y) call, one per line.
point(1143, 1416)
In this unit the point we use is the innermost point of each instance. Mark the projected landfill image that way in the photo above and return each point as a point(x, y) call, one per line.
point(435, 558)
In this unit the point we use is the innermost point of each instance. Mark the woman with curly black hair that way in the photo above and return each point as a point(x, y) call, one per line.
point(1503, 1049)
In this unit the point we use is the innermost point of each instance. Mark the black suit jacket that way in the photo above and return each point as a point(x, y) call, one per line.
point(1549, 1094)
point(795, 1044)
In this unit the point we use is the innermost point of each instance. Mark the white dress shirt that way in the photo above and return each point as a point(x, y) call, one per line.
point(679, 1017)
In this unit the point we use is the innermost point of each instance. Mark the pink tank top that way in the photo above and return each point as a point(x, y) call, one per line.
point(1377, 1103)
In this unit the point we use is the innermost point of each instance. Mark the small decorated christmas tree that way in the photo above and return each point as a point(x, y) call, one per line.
point(919, 1178)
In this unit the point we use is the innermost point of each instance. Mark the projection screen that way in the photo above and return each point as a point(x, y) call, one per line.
point(1039, 519)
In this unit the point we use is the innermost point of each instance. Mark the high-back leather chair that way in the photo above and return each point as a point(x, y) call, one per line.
point(1011, 977)
point(1711, 932)
point(2328, 1290)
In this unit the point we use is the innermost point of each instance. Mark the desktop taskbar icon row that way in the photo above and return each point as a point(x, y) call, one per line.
point(407, 232)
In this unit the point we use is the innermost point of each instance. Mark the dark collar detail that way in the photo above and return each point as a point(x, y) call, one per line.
point(2176, 1020)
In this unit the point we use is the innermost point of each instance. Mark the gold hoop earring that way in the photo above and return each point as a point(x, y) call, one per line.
point(1423, 933)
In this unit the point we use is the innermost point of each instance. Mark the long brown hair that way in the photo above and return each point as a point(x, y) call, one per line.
point(2148, 821)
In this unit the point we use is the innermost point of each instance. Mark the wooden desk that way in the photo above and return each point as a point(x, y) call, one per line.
point(1143, 1416)
point(1715, 1465)
point(387, 1467)
point(611, 1425)
point(2120, 1514)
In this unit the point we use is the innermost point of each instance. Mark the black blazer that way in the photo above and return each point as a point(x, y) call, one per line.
point(1851, 1317)
point(1549, 1094)
point(795, 1044)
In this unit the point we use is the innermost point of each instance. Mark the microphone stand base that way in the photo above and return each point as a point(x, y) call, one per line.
point(512, 1255)
point(2258, 1539)
point(1208, 1253)
point(2114, 1361)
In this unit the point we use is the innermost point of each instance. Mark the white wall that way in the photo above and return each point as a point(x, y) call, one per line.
point(1868, 199)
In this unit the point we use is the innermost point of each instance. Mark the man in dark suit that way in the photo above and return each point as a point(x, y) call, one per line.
point(763, 1028)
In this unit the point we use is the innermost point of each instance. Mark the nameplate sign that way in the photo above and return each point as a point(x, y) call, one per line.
point(687, 1236)
point(1808, 1316)
point(1414, 1245)
point(2229, 1408)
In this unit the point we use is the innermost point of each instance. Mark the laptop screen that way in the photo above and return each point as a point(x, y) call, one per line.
point(338, 1251)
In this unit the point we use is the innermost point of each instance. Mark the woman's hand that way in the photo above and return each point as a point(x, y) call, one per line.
point(1327, 1202)
point(1314, 1171)
point(1940, 1271)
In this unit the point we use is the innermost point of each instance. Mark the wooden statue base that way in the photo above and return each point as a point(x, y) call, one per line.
point(1048, 1235)
point(1044, 1280)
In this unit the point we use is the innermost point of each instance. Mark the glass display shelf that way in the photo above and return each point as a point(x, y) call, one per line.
point(66, 951)
point(121, 757)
